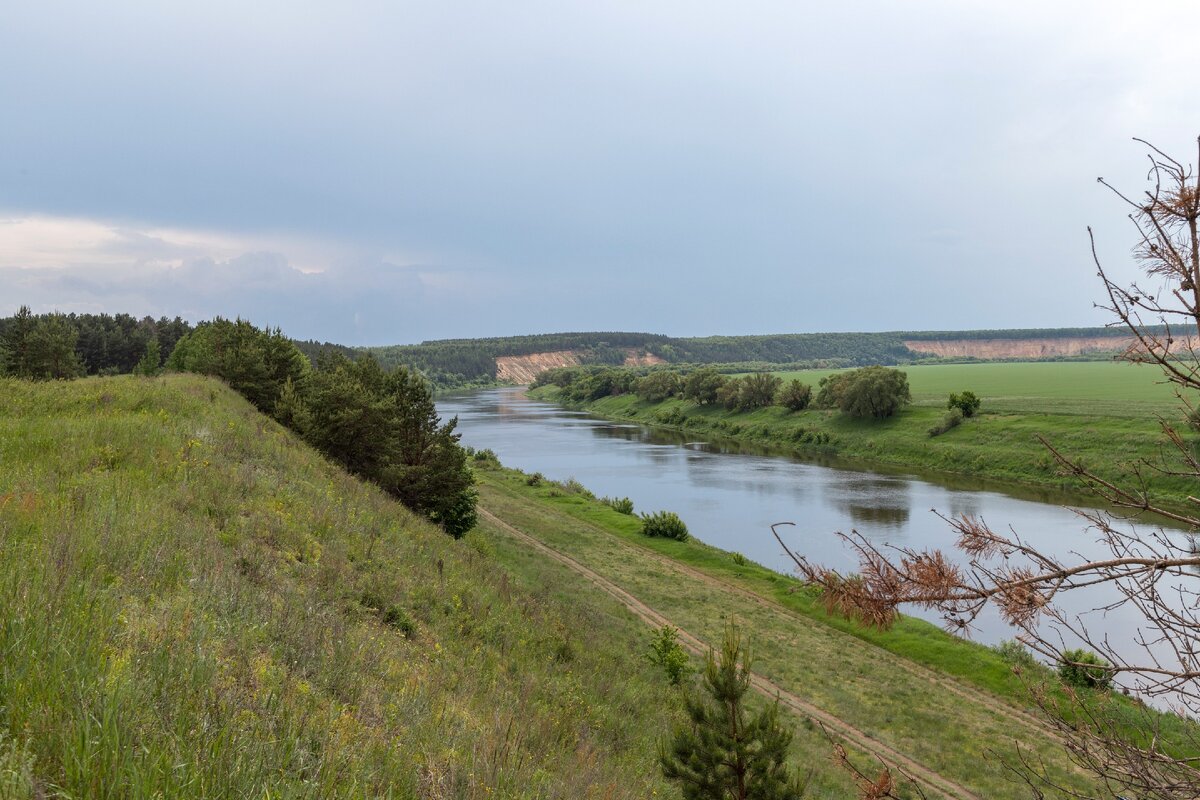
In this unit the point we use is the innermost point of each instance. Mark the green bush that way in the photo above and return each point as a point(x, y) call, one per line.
point(795, 396)
point(875, 392)
point(967, 402)
point(666, 652)
point(1016, 654)
point(666, 524)
point(1085, 669)
point(953, 419)
point(396, 617)
point(622, 504)
point(535, 479)
point(658, 386)
point(739, 559)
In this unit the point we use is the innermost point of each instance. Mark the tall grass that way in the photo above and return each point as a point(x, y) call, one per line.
point(181, 614)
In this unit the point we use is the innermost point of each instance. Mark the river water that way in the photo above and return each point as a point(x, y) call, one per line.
point(729, 494)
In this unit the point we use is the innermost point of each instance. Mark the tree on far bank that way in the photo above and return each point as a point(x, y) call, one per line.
point(966, 402)
point(658, 386)
point(703, 386)
point(795, 396)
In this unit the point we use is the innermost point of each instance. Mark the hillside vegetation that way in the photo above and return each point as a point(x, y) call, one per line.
point(196, 604)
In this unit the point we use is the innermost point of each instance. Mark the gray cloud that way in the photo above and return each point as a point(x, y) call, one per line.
point(684, 167)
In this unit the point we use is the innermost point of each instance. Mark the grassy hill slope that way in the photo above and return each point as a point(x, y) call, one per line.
point(193, 603)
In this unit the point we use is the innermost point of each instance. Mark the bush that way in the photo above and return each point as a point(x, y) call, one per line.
point(396, 617)
point(623, 505)
point(953, 419)
point(1085, 669)
point(666, 652)
point(739, 559)
point(874, 392)
point(967, 402)
point(703, 386)
point(659, 386)
point(1016, 654)
point(666, 524)
point(535, 479)
point(758, 391)
point(795, 396)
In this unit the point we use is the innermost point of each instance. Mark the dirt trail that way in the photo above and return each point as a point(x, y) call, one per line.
point(972, 694)
point(888, 755)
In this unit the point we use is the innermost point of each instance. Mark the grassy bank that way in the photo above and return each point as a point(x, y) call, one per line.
point(194, 604)
point(953, 705)
point(1103, 414)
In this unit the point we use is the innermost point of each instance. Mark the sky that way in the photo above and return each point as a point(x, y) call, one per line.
point(391, 172)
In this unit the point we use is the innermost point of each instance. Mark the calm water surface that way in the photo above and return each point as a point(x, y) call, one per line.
point(730, 494)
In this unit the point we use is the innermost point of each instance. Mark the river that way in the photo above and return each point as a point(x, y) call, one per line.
point(729, 494)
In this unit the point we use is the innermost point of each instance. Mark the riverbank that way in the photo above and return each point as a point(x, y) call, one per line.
point(949, 705)
point(1000, 446)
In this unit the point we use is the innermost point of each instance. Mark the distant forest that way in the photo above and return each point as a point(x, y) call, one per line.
point(453, 362)
point(108, 344)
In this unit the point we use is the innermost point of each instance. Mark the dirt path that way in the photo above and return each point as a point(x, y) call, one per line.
point(969, 693)
point(889, 756)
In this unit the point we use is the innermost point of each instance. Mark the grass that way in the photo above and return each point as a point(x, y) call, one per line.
point(187, 608)
point(1096, 388)
point(826, 660)
point(1105, 415)
point(864, 675)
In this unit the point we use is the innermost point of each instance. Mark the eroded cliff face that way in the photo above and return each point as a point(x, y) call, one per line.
point(1019, 348)
point(523, 369)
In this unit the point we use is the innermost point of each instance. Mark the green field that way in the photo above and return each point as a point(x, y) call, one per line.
point(1106, 388)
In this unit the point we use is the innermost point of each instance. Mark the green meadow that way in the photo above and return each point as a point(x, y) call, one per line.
point(1101, 388)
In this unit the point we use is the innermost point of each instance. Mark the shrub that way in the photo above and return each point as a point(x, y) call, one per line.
point(703, 385)
point(876, 392)
point(666, 652)
point(396, 617)
point(1016, 654)
point(1085, 669)
point(535, 479)
point(666, 524)
point(758, 391)
point(953, 419)
point(658, 386)
point(739, 559)
point(623, 504)
point(967, 402)
point(795, 396)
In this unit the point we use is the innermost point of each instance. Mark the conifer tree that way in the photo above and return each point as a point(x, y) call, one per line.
point(724, 753)
point(151, 361)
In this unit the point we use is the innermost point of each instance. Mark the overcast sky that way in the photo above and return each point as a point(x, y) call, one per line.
point(379, 172)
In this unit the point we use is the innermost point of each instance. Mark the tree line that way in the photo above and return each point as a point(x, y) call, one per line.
point(60, 346)
point(870, 392)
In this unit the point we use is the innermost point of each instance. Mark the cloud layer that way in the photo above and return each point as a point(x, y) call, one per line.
point(399, 171)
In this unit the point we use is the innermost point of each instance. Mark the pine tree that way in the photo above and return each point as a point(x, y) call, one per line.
point(724, 754)
point(151, 361)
